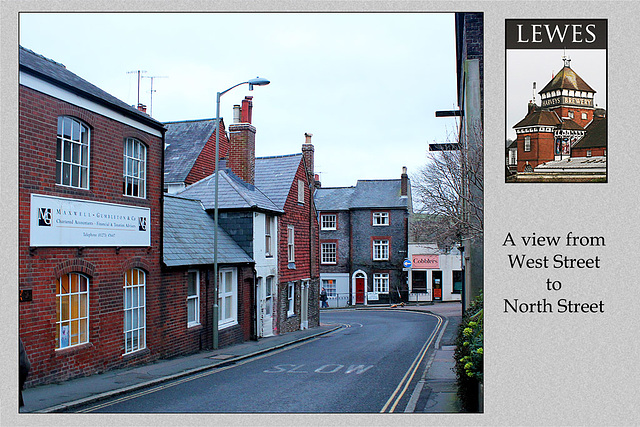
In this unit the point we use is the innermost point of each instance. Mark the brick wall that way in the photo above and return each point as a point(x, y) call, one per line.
point(205, 164)
point(542, 149)
point(363, 233)
point(105, 266)
point(303, 219)
point(177, 337)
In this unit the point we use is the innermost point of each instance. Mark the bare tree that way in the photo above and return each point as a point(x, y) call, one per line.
point(449, 188)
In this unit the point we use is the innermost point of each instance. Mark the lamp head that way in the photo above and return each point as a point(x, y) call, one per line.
point(258, 81)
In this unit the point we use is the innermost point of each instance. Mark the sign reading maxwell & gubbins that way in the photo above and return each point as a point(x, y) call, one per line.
point(425, 261)
point(60, 221)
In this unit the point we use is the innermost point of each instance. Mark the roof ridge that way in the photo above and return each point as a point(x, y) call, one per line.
point(235, 186)
point(43, 57)
point(279, 156)
point(190, 121)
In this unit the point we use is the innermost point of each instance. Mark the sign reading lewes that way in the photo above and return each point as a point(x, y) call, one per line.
point(59, 221)
point(425, 261)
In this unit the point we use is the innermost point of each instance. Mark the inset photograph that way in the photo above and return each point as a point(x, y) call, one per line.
point(556, 97)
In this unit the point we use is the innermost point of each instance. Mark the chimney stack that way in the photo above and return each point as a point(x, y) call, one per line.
point(247, 109)
point(242, 135)
point(404, 182)
point(142, 107)
point(307, 154)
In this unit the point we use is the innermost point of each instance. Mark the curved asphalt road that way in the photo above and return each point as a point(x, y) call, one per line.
point(362, 367)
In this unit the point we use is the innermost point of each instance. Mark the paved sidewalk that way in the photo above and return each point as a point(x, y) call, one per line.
point(74, 393)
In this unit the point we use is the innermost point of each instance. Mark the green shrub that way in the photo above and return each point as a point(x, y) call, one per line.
point(469, 355)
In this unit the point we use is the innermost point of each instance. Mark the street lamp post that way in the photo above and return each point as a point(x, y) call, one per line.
point(253, 82)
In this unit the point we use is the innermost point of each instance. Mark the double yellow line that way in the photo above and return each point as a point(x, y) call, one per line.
point(399, 392)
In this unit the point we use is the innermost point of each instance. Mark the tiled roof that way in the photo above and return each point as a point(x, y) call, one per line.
point(185, 141)
point(569, 124)
point(539, 117)
point(58, 75)
point(596, 135)
point(366, 194)
point(338, 199)
point(567, 79)
point(188, 236)
point(233, 193)
point(275, 175)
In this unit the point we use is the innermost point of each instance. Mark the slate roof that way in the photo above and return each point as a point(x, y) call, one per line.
point(185, 141)
point(382, 193)
point(233, 193)
point(188, 236)
point(569, 124)
point(567, 79)
point(539, 117)
point(274, 176)
point(596, 135)
point(58, 75)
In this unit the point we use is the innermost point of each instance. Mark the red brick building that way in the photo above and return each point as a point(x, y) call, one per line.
point(90, 221)
point(566, 124)
point(289, 181)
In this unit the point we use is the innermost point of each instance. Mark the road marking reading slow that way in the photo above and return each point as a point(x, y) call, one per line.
point(330, 368)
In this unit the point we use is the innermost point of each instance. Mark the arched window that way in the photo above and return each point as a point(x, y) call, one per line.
point(72, 310)
point(134, 173)
point(134, 310)
point(72, 153)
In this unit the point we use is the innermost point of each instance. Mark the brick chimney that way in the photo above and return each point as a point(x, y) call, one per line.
point(307, 153)
point(142, 107)
point(404, 182)
point(242, 135)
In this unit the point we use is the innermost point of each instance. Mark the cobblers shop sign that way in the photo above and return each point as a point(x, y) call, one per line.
point(425, 261)
point(59, 221)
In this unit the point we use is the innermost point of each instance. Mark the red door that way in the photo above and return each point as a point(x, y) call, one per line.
point(359, 290)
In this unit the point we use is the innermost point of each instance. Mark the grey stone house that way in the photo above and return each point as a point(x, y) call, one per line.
point(363, 241)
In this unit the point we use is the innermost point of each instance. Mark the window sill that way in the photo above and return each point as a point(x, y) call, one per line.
point(73, 348)
point(226, 325)
point(193, 325)
point(136, 353)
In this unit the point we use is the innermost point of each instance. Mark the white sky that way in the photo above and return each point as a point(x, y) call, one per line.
point(365, 85)
point(525, 66)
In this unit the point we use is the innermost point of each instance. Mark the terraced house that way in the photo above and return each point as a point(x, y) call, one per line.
point(266, 206)
point(363, 241)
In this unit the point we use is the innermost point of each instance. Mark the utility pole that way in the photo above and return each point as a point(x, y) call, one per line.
point(139, 72)
point(151, 91)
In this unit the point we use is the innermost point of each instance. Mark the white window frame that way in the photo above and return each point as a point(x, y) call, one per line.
point(527, 143)
point(291, 299)
point(584, 116)
point(193, 300)
point(134, 302)
point(227, 296)
point(300, 191)
point(330, 286)
point(134, 169)
point(291, 244)
point(329, 222)
point(588, 153)
point(73, 153)
point(329, 253)
point(570, 113)
point(381, 283)
point(77, 295)
point(380, 219)
point(380, 249)
point(268, 241)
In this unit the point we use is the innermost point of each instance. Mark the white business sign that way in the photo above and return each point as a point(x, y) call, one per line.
point(60, 221)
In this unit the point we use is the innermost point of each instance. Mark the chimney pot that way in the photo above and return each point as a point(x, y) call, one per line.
point(236, 114)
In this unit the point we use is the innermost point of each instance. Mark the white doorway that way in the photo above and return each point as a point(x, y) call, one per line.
point(264, 309)
point(304, 305)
